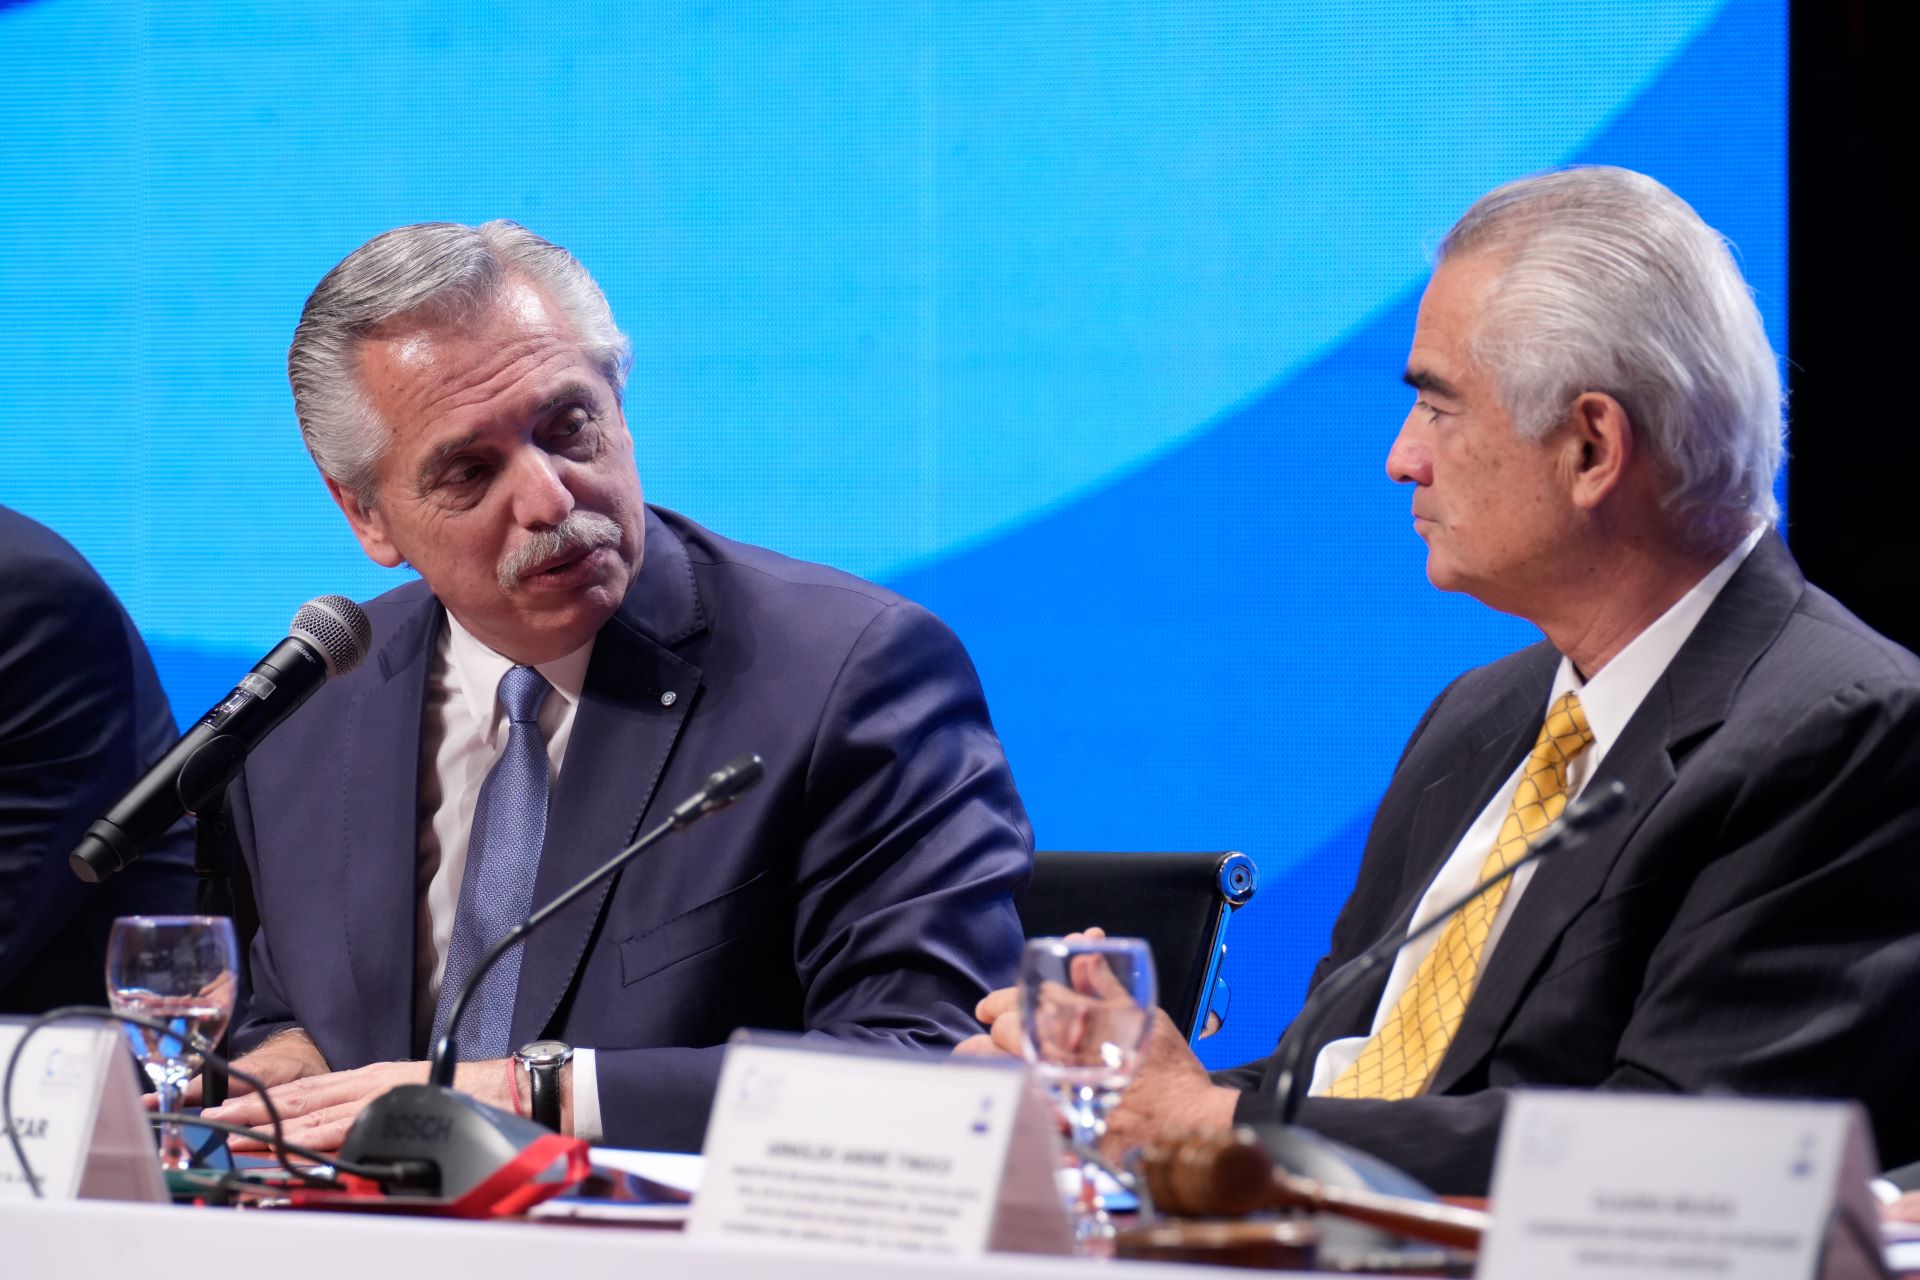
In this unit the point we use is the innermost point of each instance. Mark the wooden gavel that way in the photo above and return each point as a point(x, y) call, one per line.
point(1230, 1175)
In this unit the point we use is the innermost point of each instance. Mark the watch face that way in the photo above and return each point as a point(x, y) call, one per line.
point(543, 1053)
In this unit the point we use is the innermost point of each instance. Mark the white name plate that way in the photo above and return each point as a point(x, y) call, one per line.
point(1612, 1186)
point(78, 1114)
point(812, 1144)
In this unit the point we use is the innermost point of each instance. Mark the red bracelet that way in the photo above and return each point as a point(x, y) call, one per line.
point(513, 1087)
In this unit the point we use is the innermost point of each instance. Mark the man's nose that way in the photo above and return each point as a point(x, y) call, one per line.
point(1410, 460)
point(541, 498)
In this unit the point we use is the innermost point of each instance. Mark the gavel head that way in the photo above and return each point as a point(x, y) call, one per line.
point(1221, 1174)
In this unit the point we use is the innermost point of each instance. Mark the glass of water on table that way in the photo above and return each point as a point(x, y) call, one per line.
point(1086, 1006)
point(182, 972)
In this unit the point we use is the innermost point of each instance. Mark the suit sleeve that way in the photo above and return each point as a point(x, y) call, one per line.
point(914, 845)
point(68, 741)
point(1790, 965)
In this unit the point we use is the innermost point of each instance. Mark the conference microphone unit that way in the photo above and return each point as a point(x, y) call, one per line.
point(328, 637)
point(1580, 817)
point(464, 1148)
point(1304, 1152)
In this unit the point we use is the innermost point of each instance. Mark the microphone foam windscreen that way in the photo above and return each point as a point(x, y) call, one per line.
point(338, 628)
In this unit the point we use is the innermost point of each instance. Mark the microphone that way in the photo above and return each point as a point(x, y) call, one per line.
point(722, 787)
point(1334, 1164)
point(461, 1144)
point(1589, 811)
point(328, 637)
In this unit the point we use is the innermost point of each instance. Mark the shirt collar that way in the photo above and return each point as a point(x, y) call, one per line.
point(1617, 689)
point(476, 671)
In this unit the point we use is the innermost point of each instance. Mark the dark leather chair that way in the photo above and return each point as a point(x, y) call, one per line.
point(1179, 902)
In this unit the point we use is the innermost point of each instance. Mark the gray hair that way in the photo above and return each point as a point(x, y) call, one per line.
point(436, 271)
point(1610, 282)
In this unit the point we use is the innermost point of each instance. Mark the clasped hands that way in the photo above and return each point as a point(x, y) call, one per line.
point(318, 1106)
point(1171, 1092)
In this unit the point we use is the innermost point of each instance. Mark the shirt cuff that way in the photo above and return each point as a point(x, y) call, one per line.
point(586, 1097)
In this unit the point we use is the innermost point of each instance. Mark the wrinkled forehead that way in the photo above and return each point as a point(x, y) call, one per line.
point(426, 374)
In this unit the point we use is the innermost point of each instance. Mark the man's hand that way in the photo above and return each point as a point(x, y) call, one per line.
point(287, 1056)
point(999, 1012)
point(317, 1110)
point(1171, 1092)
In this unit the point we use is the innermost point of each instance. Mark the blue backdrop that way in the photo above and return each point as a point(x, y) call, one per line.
point(1081, 324)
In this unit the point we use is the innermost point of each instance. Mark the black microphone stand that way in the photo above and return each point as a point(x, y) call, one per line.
point(213, 896)
point(449, 1142)
point(1580, 817)
point(722, 787)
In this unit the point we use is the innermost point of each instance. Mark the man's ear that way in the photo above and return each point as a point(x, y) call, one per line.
point(1601, 448)
point(368, 525)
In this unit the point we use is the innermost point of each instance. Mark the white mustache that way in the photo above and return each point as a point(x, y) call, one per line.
point(580, 531)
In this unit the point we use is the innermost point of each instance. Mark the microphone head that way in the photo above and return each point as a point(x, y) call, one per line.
point(337, 628)
point(724, 785)
point(1595, 805)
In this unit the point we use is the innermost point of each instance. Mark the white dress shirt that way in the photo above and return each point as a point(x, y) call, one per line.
point(462, 735)
point(1609, 700)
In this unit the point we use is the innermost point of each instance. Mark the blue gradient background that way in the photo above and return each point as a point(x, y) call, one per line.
point(1081, 324)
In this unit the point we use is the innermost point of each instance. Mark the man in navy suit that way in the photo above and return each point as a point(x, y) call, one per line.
point(460, 389)
point(1592, 447)
point(82, 715)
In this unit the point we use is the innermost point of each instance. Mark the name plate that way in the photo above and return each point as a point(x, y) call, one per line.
point(1593, 1186)
point(78, 1114)
point(829, 1145)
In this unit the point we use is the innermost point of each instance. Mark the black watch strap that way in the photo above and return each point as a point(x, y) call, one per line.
point(543, 1062)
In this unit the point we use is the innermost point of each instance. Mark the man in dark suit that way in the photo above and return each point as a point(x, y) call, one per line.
point(460, 389)
point(82, 715)
point(1593, 447)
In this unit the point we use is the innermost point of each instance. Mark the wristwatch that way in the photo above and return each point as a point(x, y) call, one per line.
point(542, 1061)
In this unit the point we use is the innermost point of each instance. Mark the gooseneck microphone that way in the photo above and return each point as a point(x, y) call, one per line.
point(722, 787)
point(1580, 817)
point(459, 1142)
point(328, 637)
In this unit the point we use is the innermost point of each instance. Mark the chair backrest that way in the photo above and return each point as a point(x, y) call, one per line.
point(1178, 902)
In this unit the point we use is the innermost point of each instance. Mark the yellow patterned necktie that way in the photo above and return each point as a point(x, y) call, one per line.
point(1402, 1056)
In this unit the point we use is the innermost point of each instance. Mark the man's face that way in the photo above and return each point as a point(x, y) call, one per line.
point(1492, 507)
point(508, 480)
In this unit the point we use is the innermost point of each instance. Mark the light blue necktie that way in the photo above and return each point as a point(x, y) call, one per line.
point(503, 853)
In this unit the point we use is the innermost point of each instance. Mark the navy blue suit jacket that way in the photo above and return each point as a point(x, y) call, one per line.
point(1748, 924)
point(862, 891)
point(82, 716)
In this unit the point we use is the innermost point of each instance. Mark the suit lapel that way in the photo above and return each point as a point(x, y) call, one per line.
point(624, 730)
point(1492, 735)
point(1563, 886)
point(1687, 703)
point(380, 837)
point(1495, 741)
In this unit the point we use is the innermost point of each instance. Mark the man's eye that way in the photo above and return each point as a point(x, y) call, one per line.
point(463, 475)
point(1434, 413)
point(574, 433)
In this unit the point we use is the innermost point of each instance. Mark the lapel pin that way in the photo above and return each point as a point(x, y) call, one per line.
point(668, 698)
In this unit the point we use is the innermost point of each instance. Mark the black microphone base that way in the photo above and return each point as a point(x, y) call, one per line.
point(451, 1141)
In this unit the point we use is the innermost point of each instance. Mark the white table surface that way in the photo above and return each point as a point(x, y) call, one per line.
point(81, 1240)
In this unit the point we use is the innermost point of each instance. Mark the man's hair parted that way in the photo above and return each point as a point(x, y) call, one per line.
point(431, 270)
